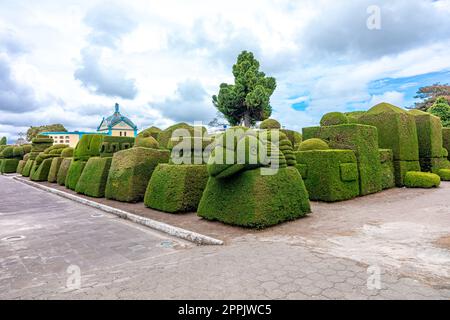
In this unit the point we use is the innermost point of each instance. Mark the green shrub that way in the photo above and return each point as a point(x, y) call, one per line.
point(88, 146)
point(18, 152)
point(63, 170)
point(414, 179)
point(8, 152)
point(9, 165)
point(166, 135)
point(329, 175)
point(353, 116)
point(26, 148)
point(295, 138)
point(39, 172)
point(387, 169)
point(270, 124)
point(253, 200)
point(93, 179)
point(176, 188)
point(130, 172)
point(40, 143)
point(67, 153)
point(396, 130)
point(147, 142)
point(27, 168)
point(150, 132)
point(20, 166)
point(333, 119)
point(112, 144)
point(74, 173)
point(446, 140)
point(444, 174)
point(363, 141)
point(189, 150)
point(441, 109)
point(429, 134)
point(313, 144)
point(401, 168)
point(54, 168)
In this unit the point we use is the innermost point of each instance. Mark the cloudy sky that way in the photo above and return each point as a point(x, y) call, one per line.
point(70, 61)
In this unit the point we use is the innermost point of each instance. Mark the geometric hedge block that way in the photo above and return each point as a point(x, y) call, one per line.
point(396, 130)
point(130, 172)
point(446, 140)
point(9, 165)
point(40, 172)
point(176, 188)
point(251, 199)
point(20, 166)
point(62, 171)
point(54, 168)
point(74, 173)
point(429, 133)
point(363, 140)
point(93, 179)
point(27, 168)
point(332, 175)
point(387, 169)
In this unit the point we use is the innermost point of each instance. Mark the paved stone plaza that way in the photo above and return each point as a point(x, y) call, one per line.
point(334, 254)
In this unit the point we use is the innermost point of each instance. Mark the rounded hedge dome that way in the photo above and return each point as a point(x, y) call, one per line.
point(313, 144)
point(333, 119)
point(270, 124)
point(147, 142)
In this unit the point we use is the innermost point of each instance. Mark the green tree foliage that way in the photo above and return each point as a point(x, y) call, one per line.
point(248, 99)
point(3, 141)
point(441, 109)
point(429, 95)
point(32, 132)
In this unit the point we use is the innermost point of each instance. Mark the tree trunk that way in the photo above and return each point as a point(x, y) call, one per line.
point(247, 120)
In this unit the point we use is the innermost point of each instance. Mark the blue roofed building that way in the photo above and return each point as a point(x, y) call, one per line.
point(114, 125)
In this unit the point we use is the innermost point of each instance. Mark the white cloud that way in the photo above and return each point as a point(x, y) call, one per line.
point(317, 49)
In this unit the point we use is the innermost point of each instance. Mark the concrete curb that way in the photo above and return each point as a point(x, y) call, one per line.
point(150, 223)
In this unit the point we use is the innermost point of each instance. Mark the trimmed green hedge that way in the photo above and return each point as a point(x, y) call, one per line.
point(88, 146)
point(20, 166)
point(333, 119)
point(147, 142)
point(67, 152)
point(444, 174)
point(74, 173)
point(446, 140)
point(54, 168)
point(401, 168)
point(253, 200)
point(396, 130)
point(166, 135)
point(8, 152)
point(150, 132)
point(18, 152)
point(112, 144)
point(313, 144)
point(429, 134)
point(270, 124)
point(363, 140)
point(176, 188)
point(130, 172)
point(63, 170)
point(9, 165)
point(415, 179)
point(387, 169)
point(295, 138)
point(329, 175)
point(39, 172)
point(93, 179)
point(27, 168)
